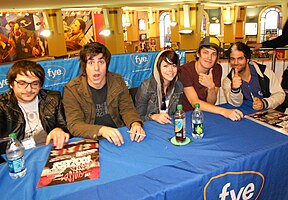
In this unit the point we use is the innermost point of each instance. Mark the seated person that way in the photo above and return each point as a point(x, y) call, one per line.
point(97, 102)
point(202, 79)
point(158, 96)
point(250, 80)
point(34, 114)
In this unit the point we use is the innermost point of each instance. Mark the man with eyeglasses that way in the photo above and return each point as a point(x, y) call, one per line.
point(34, 114)
point(251, 81)
point(202, 79)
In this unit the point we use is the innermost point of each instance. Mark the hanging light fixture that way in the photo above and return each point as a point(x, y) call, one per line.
point(186, 17)
point(106, 30)
point(228, 19)
point(150, 17)
point(173, 18)
point(126, 19)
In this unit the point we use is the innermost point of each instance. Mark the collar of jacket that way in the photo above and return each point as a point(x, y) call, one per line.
point(85, 90)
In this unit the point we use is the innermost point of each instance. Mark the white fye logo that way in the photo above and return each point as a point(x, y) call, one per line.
point(3, 83)
point(140, 60)
point(244, 192)
point(54, 73)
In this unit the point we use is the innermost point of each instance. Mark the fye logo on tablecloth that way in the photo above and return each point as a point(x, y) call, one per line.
point(4, 86)
point(140, 59)
point(54, 72)
point(242, 185)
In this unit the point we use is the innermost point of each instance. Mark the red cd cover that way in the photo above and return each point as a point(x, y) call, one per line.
point(77, 161)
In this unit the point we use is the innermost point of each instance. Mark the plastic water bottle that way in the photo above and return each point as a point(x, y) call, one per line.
point(15, 157)
point(197, 123)
point(180, 124)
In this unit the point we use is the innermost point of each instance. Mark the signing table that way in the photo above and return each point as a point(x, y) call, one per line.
point(234, 160)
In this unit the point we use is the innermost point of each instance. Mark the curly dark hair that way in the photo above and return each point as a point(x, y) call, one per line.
point(91, 50)
point(240, 46)
point(24, 66)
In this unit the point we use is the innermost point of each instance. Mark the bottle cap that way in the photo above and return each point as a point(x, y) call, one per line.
point(197, 105)
point(179, 107)
point(13, 135)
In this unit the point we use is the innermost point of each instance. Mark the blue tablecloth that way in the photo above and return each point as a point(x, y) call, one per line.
point(240, 160)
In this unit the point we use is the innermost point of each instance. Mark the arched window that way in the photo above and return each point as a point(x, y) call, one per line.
point(271, 24)
point(165, 30)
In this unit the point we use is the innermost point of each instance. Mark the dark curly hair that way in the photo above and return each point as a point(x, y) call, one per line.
point(91, 50)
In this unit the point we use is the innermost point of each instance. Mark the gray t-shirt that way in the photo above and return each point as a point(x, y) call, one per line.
point(33, 126)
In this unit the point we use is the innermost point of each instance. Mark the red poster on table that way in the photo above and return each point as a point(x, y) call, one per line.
point(77, 161)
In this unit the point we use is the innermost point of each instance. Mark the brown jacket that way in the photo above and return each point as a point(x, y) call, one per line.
point(81, 112)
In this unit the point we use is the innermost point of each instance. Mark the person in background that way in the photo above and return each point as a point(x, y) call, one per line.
point(77, 33)
point(158, 96)
point(202, 79)
point(250, 80)
point(97, 102)
point(34, 114)
point(279, 41)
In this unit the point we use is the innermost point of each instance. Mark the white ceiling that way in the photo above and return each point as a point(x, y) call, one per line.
point(17, 5)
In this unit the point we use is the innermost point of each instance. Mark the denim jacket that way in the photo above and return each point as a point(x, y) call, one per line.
point(146, 99)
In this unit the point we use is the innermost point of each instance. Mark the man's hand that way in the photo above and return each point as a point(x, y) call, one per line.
point(207, 79)
point(162, 118)
point(112, 135)
point(257, 104)
point(236, 80)
point(136, 132)
point(233, 114)
point(58, 136)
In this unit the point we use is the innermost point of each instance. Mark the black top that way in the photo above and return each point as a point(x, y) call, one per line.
point(102, 116)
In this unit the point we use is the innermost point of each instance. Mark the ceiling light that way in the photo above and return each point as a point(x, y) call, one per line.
point(46, 33)
point(150, 17)
point(173, 23)
point(186, 31)
point(105, 32)
point(173, 17)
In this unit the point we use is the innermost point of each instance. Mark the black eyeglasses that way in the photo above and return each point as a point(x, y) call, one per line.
point(163, 104)
point(24, 84)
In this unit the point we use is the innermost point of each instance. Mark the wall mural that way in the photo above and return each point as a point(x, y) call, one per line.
point(20, 37)
point(78, 30)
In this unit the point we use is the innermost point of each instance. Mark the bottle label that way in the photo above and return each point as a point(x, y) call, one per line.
point(16, 165)
point(198, 129)
point(180, 128)
point(178, 125)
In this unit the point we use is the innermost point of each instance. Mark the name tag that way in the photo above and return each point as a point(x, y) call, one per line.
point(28, 143)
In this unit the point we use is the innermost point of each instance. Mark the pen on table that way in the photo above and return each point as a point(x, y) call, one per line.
point(252, 96)
point(136, 133)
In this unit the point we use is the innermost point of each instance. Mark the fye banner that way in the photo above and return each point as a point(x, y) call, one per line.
point(242, 185)
point(137, 67)
point(134, 68)
point(57, 73)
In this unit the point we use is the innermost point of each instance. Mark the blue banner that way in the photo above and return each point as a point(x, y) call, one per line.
point(137, 67)
point(57, 73)
point(134, 68)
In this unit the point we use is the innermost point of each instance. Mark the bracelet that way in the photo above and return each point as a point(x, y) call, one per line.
point(265, 103)
point(235, 90)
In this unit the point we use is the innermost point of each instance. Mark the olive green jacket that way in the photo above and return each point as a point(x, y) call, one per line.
point(81, 112)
